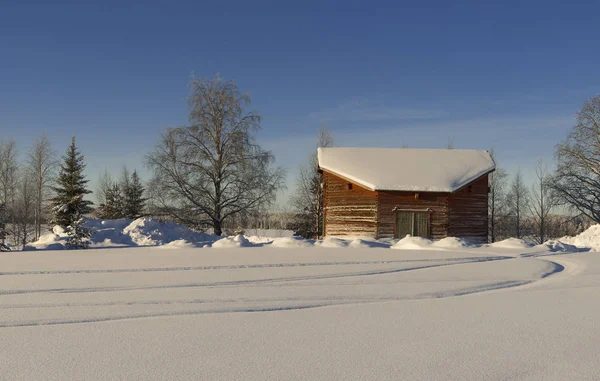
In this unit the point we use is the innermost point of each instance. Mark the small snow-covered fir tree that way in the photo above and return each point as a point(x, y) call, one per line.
point(79, 235)
point(134, 201)
point(69, 206)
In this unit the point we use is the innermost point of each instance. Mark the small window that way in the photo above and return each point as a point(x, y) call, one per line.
point(411, 223)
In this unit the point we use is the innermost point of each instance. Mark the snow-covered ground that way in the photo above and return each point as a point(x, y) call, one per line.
point(302, 310)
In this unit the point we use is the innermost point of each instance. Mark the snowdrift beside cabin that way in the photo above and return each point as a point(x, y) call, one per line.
point(419, 243)
point(150, 232)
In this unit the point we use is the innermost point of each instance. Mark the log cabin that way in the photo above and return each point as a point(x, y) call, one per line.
point(394, 192)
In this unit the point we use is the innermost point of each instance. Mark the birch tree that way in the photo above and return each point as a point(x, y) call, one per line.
point(8, 183)
point(577, 178)
point(213, 169)
point(307, 198)
point(24, 209)
point(542, 202)
point(518, 204)
point(3, 232)
point(42, 164)
point(497, 207)
point(103, 187)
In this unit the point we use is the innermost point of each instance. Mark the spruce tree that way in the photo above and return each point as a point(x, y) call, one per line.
point(69, 206)
point(113, 207)
point(135, 202)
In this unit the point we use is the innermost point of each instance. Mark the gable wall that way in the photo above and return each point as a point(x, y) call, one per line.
point(468, 212)
point(348, 212)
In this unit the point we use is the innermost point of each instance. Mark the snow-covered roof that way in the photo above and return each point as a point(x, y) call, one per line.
point(407, 169)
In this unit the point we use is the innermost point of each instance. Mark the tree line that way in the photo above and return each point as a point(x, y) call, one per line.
point(43, 192)
point(204, 175)
point(211, 174)
point(560, 202)
point(24, 190)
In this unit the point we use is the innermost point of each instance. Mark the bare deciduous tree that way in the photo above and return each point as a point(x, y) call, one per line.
point(8, 179)
point(497, 202)
point(212, 169)
point(103, 187)
point(308, 196)
point(3, 231)
point(542, 202)
point(577, 178)
point(42, 163)
point(518, 204)
point(24, 210)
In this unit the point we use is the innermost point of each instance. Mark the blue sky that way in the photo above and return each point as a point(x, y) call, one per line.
point(509, 76)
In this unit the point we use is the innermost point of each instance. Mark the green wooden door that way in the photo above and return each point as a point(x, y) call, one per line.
point(415, 224)
point(421, 225)
point(404, 224)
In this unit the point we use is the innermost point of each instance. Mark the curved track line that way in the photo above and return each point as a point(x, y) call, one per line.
point(306, 303)
point(235, 267)
point(245, 282)
point(317, 303)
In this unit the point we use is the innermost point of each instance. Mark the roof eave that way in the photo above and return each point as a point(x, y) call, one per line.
point(376, 189)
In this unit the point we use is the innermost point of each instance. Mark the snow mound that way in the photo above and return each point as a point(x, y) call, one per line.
point(257, 239)
point(291, 242)
point(419, 243)
point(51, 241)
point(413, 243)
point(453, 243)
point(179, 244)
point(232, 242)
point(558, 246)
point(151, 232)
point(359, 244)
point(587, 239)
point(363, 243)
point(511, 243)
point(332, 243)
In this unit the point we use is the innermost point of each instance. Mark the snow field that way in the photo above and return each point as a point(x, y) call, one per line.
point(304, 313)
point(154, 301)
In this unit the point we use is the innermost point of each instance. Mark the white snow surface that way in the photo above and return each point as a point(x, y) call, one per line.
point(303, 313)
point(407, 169)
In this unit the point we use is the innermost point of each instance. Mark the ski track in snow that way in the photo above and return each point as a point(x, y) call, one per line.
point(236, 282)
point(250, 304)
point(235, 267)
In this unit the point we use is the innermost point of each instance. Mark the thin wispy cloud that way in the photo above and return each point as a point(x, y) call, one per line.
point(363, 110)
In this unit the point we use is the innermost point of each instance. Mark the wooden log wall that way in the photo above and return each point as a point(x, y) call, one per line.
point(348, 212)
point(468, 212)
point(361, 212)
point(388, 201)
